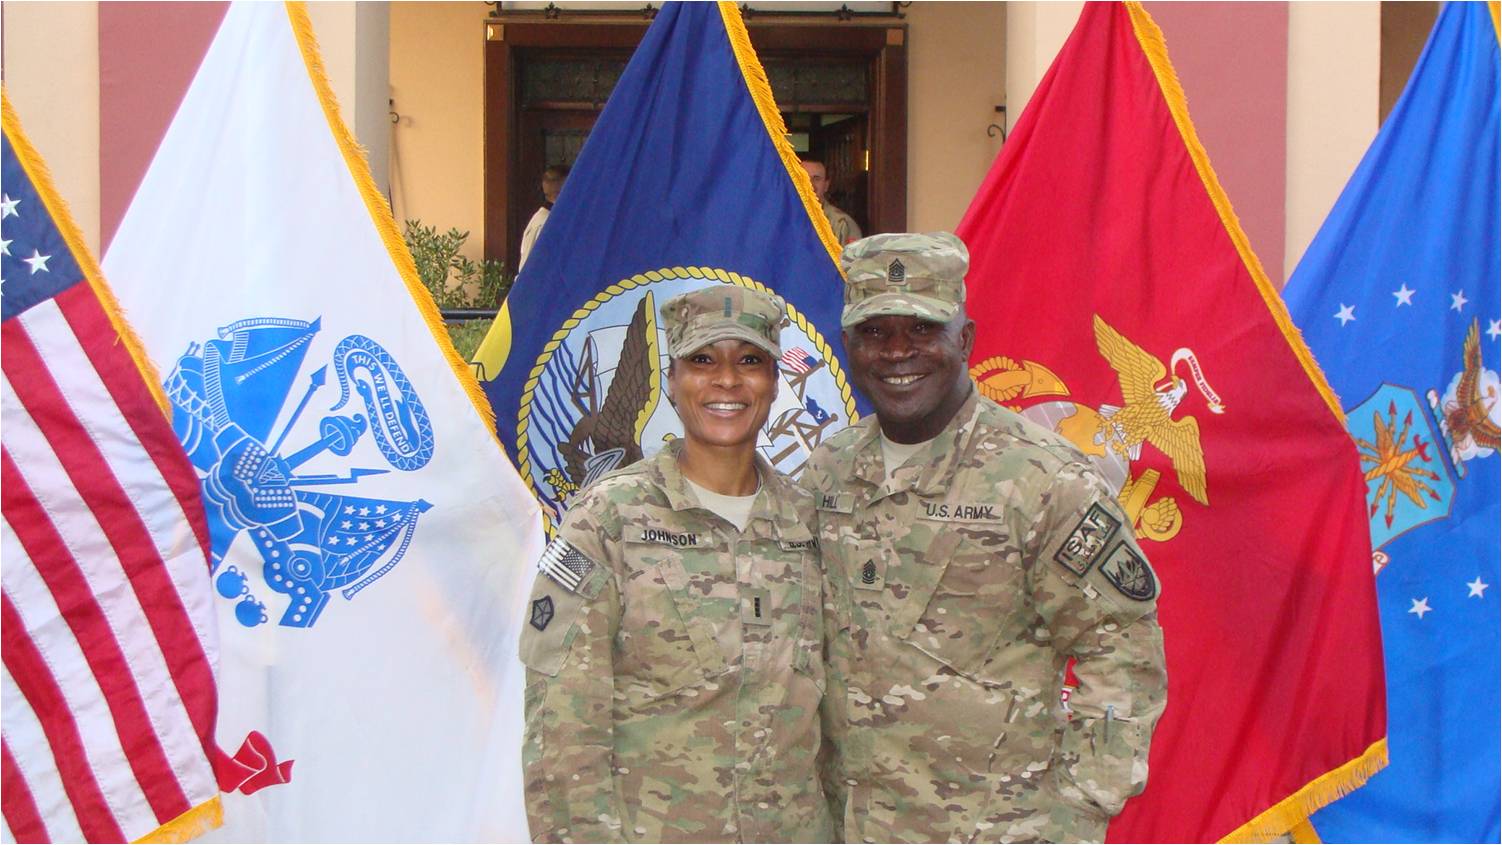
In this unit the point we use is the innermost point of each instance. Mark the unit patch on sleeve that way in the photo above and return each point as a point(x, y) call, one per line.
point(1129, 573)
point(1084, 545)
point(565, 564)
point(542, 613)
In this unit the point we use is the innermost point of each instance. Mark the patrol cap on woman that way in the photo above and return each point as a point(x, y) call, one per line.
point(700, 317)
point(908, 274)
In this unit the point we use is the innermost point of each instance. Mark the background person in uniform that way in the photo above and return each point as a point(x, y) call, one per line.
point(970, 554)
point(552, 183)
point(673, 655)
point(845, 229)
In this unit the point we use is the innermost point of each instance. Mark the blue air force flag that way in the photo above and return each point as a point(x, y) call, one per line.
point(686, 180)
point(1398, 298)
point(370, 543)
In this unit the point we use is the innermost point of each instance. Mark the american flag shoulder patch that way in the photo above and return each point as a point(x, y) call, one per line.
point(565, 565)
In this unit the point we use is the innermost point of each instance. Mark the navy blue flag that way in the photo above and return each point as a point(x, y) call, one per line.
point(687, 180)
point(1398, 298)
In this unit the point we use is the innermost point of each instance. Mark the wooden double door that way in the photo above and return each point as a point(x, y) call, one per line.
point(842, 87)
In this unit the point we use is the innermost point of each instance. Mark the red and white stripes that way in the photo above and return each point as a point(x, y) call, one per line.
point(108, 626)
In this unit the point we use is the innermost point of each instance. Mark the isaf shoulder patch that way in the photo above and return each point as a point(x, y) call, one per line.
point(1129, 573)
point(1084, 545)
point(565, 565)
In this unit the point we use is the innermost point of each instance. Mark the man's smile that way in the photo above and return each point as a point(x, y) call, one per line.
point(904, 379)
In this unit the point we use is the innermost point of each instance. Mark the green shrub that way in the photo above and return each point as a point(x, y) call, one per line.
point(467, 334)
point(454, 280)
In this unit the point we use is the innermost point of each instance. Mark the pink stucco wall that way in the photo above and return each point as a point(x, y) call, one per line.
point(148, 54)
point(1232, 59)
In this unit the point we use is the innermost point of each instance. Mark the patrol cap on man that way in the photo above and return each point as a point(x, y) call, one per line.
point(908, 274)
point(719, 312)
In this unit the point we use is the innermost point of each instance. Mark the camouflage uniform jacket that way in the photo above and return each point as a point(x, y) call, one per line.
point(959, 588)
point(846, 230)
point(674, 695)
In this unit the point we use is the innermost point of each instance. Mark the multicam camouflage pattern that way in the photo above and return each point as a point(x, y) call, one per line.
point(846, 230)
point(904, 274)
point(711, 314)
point(956, 596)
point(675, 696)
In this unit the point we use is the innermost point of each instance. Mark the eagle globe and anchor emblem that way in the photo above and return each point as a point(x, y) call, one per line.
point(1113, 436)
point(593, 402)
point(312, 540)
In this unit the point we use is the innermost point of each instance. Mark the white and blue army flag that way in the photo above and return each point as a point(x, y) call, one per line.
point(370, 542)
point(1398, 298)
point(686, 180)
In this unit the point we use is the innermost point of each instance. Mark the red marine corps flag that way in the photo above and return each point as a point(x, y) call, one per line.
point(1119, 304)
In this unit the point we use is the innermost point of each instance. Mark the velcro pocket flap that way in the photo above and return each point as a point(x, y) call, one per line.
point(922, 577)
point(700, 630)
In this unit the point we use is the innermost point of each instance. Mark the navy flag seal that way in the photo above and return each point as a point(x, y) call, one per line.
point(594, 401)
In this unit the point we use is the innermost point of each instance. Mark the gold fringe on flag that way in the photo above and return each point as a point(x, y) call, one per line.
point(190, 825)
point(761, 93)
point(1150, 37)
point(42, 180)
point(1296, 808)
point(1294, 811)
point(380, 215)
point(1304, 834)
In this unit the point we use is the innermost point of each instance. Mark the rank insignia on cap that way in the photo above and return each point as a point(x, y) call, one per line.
point(542, 613)
point(1084, 545)
point(565, 565)
point(896, 273)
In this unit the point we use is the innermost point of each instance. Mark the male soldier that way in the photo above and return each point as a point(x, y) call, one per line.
point(970, 554)
point(673, 651)
point(845, 229)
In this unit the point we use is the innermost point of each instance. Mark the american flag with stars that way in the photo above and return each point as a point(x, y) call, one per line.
point(798, 361)
point(107, 636)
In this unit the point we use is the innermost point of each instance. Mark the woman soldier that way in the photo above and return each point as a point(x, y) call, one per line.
point(673, 650)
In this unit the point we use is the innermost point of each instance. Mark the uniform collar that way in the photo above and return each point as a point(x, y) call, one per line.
point(929, 469)
point(775, 505)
